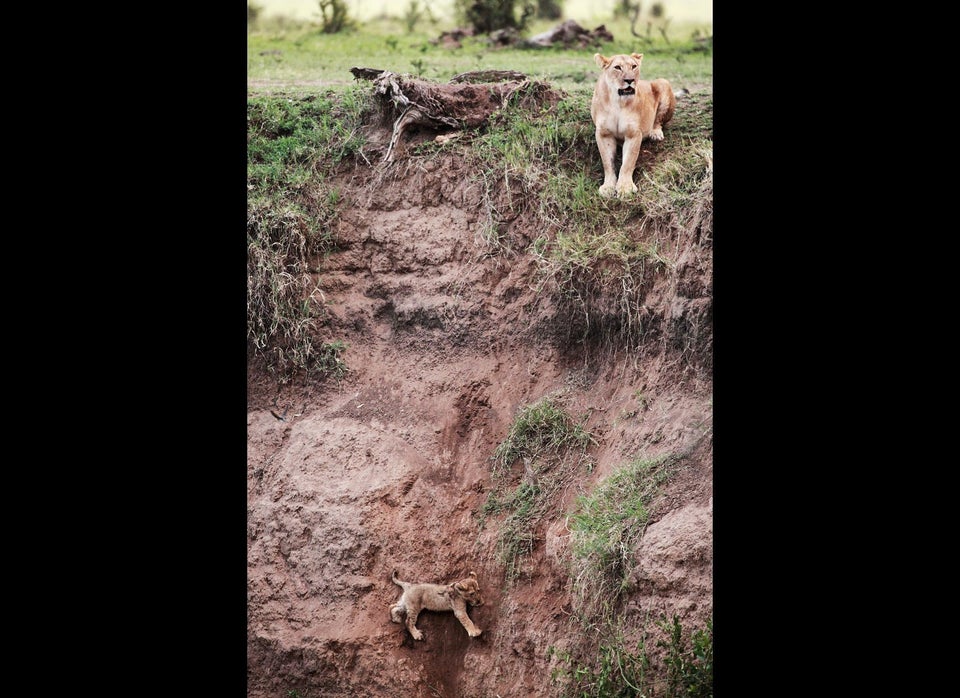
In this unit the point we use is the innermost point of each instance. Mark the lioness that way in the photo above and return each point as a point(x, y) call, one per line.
point(626, 109)
point(437, 597)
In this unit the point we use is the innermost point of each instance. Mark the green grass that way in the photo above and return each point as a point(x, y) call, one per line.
point(689, 668)
point(299, 56)
point(292, 144)
point(540, 429)
point(552, 446)
point(615, 670)
point(606, 526)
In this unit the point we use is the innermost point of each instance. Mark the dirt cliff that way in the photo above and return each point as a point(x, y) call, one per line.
point(389, 468)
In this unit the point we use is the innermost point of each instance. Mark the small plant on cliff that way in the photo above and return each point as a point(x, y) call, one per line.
point(681, 187)
point(541, 428)
point(607, 525)
point(689, 671)
point(552, 447)
point(615, 671)
point(602, 281)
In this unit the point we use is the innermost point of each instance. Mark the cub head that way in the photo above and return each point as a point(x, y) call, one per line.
point(620, 72)
point(469, 590)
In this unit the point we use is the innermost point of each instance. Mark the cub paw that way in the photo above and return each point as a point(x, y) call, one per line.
point(474, 633)
point(417, 635)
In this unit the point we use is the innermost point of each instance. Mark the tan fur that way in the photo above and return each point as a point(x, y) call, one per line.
point(437, 597)
point(627, 119)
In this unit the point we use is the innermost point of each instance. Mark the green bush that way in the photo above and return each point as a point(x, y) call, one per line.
point(689, 671)
point(549, 9)
point(486, 16)
point(616, 672)
point(334, 16)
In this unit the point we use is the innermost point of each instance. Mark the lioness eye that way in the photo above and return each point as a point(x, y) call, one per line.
point(618, 67)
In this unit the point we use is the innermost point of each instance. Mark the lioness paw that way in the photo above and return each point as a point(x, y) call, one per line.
point(626, 191)
point(417, 635)
point(475, 633)
point(656, 134)
point(608, 191)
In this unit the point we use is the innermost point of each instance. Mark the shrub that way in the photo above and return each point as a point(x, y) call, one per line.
point(615, 671)
point(486, 16)
point(689, 671)
point(334, 16)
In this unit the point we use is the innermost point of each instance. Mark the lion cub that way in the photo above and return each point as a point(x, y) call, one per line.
point(626, 109)
point(437, 597)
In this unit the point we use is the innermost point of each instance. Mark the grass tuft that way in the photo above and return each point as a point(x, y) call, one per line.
point(606, 526)
point(538, 430)
point(553, 448)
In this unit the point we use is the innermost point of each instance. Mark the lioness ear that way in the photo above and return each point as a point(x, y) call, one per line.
point(473, 574)
point(601, 61)
point(638, 56)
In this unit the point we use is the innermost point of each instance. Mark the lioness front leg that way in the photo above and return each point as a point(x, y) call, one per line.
point(607, 145)
point(631, 151)
point(472, 630)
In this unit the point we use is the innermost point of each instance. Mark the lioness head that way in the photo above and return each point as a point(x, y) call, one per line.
point(620, 72)
point(469, 590)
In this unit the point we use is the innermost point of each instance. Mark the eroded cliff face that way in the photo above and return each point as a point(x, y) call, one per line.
point(388, 469)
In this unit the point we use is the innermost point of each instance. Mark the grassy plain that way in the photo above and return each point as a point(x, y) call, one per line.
point(285, 56)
